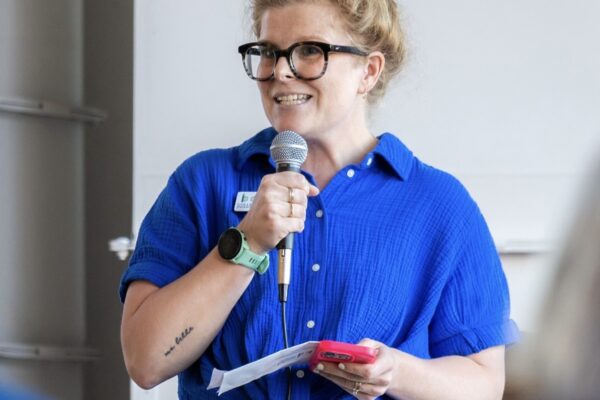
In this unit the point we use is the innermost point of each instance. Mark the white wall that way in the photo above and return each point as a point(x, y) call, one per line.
point(505, 95)
point(190, 91)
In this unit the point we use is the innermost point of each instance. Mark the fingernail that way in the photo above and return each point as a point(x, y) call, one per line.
point(320, 367)
point(342, 366)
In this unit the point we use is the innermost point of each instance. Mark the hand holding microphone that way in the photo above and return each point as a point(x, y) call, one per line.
point(279, 208)
point(289, 151)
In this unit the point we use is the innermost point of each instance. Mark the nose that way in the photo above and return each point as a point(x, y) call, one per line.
point(283, 71)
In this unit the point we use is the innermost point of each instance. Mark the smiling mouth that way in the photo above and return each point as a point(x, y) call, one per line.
point(292, 99)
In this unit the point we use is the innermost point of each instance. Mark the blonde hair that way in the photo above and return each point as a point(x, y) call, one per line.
point(374, 25)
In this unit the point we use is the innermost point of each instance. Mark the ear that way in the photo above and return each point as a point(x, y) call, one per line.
point(372, 70)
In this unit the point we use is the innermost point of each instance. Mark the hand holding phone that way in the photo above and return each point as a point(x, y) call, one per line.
point(332, 351)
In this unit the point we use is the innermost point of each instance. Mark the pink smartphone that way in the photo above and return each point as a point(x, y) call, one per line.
point(332, 351)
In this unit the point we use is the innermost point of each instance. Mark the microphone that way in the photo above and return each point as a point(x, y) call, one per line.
point(289, 151)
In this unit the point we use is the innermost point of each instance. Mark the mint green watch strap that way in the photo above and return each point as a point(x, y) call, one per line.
point(252, 260)
point(248, 258)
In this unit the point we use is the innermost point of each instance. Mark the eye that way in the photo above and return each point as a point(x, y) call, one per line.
point(267, 52)
point(309, 51)
point(254, 51)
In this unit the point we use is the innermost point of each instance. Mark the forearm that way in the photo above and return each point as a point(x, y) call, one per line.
point(451, 377)
point(174, 325)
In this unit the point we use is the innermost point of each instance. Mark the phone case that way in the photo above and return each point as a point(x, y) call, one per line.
point(332, 351)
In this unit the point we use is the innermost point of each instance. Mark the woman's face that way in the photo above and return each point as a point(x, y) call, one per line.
point(329, 105)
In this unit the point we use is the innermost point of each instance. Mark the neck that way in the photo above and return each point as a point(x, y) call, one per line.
point(330, 153)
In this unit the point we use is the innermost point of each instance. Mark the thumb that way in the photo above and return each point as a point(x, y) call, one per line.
point(313, 190)
point(370, 343)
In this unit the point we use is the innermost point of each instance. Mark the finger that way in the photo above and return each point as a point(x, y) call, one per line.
point(296, 196)
point(334, 370)
point(283, 194)
point(346, 384)
point(374, 373)
point(295, 180)
point(296, 225)
point(362, 391)
point(291, 210)
point(377, 372)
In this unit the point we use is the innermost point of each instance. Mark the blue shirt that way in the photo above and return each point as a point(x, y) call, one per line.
point(393, 250)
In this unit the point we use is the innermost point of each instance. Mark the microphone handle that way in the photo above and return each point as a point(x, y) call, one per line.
point(284, 247)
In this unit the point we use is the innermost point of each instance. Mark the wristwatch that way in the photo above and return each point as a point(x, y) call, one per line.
point(234, 248)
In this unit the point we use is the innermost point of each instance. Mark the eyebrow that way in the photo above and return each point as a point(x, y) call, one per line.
point(315, 38)
point(266, 43)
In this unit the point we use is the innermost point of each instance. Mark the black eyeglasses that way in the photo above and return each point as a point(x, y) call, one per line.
point(307, 60)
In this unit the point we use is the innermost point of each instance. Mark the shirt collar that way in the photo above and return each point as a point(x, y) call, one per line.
point(390, 149)
point(258, 145)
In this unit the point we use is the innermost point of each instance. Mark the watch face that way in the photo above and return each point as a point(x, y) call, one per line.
point(230, 244)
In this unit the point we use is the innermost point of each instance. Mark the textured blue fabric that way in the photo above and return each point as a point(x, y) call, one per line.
point(404, 255)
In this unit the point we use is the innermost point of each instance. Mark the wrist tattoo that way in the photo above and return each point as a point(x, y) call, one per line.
point(179, 339)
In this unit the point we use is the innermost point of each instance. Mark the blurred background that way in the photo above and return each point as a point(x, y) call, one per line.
point(100, 100)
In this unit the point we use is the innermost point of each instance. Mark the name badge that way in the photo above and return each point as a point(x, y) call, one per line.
point(243, 201)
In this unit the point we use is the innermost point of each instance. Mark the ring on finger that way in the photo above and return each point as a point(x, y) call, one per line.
point(291, 195)
point(356, 388)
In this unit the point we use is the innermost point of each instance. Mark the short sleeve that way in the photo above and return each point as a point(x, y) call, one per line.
point(474, 308)
point(167, 244)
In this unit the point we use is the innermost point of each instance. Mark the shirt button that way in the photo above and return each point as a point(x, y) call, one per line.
point(300, 374)
point(350, 173)
point(310, 324)
point(319, 213)
point(369, 161)
point(316, 267)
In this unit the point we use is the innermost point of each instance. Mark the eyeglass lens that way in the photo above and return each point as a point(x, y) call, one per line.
point(307, 61)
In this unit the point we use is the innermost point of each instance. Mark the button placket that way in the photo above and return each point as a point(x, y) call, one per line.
point(319, 225)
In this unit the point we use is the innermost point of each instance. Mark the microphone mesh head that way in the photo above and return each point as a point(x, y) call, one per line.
point(289, 147)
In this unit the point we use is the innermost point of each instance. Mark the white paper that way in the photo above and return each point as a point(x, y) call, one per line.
point(227, 380)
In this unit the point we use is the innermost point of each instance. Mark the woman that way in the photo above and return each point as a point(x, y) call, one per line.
point(393, 254)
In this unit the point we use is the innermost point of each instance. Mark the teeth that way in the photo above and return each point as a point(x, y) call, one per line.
point(292, 99)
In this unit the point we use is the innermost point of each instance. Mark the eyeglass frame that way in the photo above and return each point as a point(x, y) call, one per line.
point(287, 53)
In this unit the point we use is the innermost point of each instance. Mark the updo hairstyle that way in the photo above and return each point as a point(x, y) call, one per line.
point(373, 25)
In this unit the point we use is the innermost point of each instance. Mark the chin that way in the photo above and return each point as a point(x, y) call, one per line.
point(298, 128)
point(297, 122)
